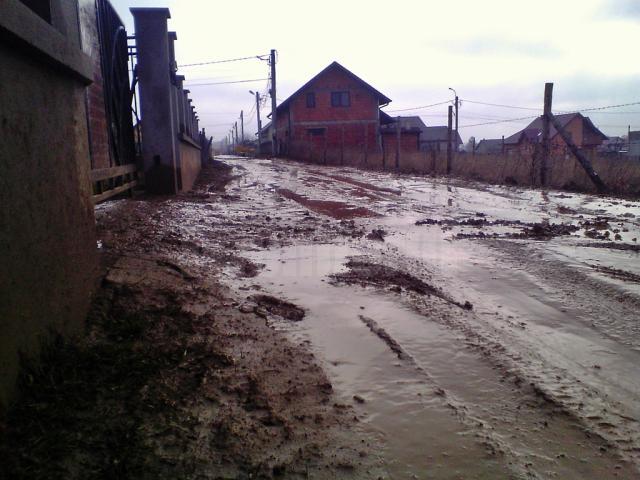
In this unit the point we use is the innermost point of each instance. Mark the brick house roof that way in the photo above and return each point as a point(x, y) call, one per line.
point(533, 131)
point(382, 99)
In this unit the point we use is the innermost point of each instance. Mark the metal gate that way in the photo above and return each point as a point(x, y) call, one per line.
point(118, 92)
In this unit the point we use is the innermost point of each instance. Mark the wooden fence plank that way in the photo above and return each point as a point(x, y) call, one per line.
point(106, 173)
point(115, 191)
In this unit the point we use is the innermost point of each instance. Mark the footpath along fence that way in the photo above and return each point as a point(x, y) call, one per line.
point(621, 175)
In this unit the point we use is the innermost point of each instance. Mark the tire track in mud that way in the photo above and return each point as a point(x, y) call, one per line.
point(529, 374)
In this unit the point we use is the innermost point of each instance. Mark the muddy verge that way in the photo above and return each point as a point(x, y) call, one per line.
point(365, 273)
point(173, 379)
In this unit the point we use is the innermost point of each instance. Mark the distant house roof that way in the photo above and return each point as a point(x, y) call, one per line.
point(438, 134)
point(490, 145)
point(407, 124)
point(382, 99)
point(533, 131)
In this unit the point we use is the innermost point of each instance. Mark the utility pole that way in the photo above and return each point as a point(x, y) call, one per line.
point(398, 126)
point(546, 145)
point(235, 126)
point(456, 136)
point(449, 149)
point(274, 140)
point(241, 126)
point(259, 122)
point(629, 141)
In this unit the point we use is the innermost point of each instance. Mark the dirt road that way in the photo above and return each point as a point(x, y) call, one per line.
point(311, 322)
point(464, 315)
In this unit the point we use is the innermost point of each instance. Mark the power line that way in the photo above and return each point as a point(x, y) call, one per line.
point(259, 57)
point(500, 121)
point(418, 108)
point(224, 83)
point(500, 105)
point(608, 107)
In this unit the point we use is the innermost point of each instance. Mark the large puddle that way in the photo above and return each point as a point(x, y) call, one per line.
point(446, 412)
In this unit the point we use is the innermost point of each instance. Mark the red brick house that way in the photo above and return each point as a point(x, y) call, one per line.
point(580, 128)
point(334, 111)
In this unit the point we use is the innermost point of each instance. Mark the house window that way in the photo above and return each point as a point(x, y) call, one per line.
point(340, 99)
point(311, 100)
point(315, 131)
point(42, 8)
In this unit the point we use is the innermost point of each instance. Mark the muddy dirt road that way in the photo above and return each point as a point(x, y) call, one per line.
point(295, 321)
point(480, 331)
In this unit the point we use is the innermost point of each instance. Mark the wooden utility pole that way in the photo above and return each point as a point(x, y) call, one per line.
point(546, 142)
point(449, 139)
point(398, 142)
point(583, 160)
point(259, 122)
point(235, 126)
point(274, 120)
point(629, 141)
point(241, 126)
point(473, 147)
point(502, 149)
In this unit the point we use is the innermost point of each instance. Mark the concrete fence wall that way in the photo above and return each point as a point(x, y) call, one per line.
point(621, 175)
point(47, 237)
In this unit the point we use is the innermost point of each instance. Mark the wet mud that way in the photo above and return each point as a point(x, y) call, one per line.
point(289, 321)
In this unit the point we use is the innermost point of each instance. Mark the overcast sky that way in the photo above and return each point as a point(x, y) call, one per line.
point(490, 51)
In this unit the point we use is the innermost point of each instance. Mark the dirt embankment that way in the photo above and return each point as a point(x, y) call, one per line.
point(174, 378)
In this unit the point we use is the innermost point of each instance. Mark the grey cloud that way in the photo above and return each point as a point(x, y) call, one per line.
point(626, 9)
point(501, 46)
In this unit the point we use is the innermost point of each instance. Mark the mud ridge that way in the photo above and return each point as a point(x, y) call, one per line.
point(362, 272)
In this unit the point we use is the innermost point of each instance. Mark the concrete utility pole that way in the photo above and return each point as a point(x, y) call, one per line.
point(241, 126)
point(259, 122)
point(449, 146)
point(456, 107)
point(546, 145)
point(272, 62)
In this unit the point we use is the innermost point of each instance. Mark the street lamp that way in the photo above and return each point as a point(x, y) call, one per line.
point(257, 94)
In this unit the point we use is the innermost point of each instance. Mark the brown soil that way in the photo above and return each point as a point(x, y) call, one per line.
point(365, 273)
point(174, 377)
point(276, 306)
point(338, 210)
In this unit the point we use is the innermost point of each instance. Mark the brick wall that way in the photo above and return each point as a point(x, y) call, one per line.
point(349, 127)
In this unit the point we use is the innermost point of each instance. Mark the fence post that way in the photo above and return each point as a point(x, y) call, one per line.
point(546, 145)
point(397, 143)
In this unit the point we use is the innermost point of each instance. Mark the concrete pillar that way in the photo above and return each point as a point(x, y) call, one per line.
point(180, 102)
point(156, 90)
point(185, 106)
point(173, 67)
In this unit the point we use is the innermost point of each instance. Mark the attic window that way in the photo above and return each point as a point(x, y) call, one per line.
point(311, 100)
point(340, 99)
point(42, 8)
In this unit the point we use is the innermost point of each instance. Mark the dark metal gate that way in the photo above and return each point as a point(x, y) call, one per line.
point(118, 92)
